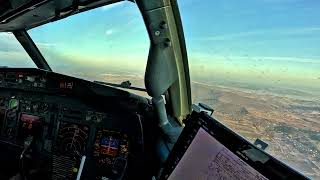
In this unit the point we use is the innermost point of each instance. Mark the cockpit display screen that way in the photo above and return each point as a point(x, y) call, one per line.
point(106, 147)
point(72, 139)
point(26, 118)
point(109, 145)
point(206, 158)
point(30, 125)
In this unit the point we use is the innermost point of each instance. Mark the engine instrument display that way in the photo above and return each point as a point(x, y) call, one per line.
point(72, 139)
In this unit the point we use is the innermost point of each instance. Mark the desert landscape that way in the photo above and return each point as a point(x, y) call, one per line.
point(289, 124)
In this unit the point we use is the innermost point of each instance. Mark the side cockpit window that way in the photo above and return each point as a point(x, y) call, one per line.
point(257, 63)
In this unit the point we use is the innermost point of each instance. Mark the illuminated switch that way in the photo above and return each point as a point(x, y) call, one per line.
point(74, 170)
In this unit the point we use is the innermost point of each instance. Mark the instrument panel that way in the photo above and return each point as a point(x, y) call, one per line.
point(65, 127)
point(66, 134)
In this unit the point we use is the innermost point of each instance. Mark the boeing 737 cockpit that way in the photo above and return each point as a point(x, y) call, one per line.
point(54, 125)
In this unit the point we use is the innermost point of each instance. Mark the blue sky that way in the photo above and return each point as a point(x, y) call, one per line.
point(269, 41)
point(259, 28)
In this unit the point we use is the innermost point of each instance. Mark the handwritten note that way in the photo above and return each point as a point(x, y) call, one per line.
point(207, 159)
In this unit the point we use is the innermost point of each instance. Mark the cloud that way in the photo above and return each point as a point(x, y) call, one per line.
point(45, 45)
point(284, 31)
point(231, 36)
point(111, 6)
point(119, 75)
point(281, 1)
point(109, 32)
point(290, 59)
point(203, 57)
point(15, 59)
point(6, 35)
point(8, 43)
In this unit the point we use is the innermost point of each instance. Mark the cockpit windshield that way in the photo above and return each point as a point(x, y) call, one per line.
point(257, 63)
point(108, 44)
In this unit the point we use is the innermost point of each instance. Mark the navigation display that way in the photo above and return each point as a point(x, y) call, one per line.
point(72, 139)
point(208, 159)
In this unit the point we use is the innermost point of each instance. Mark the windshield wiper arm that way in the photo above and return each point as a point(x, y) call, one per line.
point(124, 84)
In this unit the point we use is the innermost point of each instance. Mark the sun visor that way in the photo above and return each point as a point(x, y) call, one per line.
point(161, 71)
